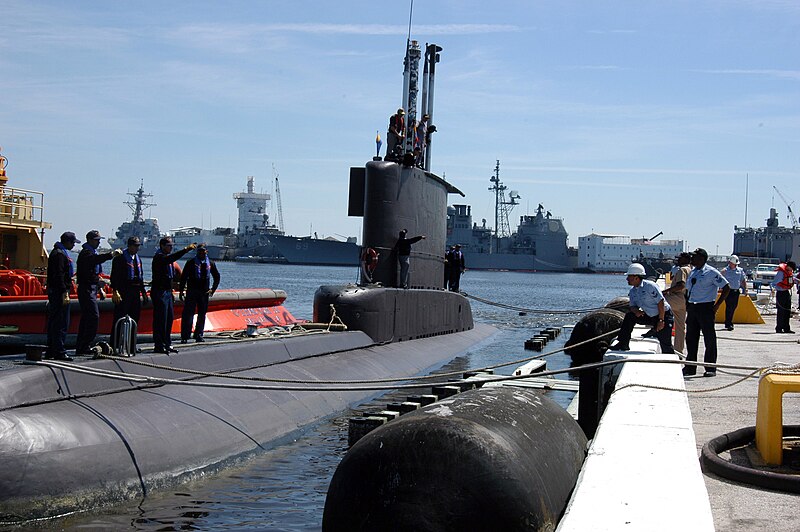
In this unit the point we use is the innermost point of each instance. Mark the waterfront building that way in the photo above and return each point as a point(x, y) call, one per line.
point(613, 253)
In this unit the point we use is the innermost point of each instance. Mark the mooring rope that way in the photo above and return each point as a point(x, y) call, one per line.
point(228, 373)
point(529, 310)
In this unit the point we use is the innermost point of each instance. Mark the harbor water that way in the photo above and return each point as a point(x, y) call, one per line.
point(284, 488)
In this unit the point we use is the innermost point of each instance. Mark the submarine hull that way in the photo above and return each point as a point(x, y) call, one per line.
point(73, 441)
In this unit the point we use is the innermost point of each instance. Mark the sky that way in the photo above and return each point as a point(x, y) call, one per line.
point(623, 117)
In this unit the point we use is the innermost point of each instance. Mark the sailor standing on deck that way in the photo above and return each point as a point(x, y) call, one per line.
point(701, 310)
point(90, 266)
point(196, 276)
point(456, 263)
point(161, 292)
point(782, 283)
point(648, 307)
point(60, 270)
point(127, 281)
point(737, 280)
point(403, 248)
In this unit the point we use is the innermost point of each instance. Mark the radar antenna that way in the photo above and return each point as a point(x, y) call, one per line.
point(139, 203)
point(502, 207)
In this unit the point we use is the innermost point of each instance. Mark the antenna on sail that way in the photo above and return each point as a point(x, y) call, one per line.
point(410, 14)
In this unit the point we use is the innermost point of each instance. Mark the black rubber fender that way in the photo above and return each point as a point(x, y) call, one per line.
point(592, 325)
point(711, 462)
point(488, 459)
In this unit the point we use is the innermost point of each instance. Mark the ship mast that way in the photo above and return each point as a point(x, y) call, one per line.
point(502, 207)
point(139, 203)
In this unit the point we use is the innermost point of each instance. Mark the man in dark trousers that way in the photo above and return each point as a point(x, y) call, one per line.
point(90, 266)
point(782, 283)
point(456, 263)
point(195, 279)
point(60, 270)
point(163, 271)
point(403, 247)
point(701, 309)
point(127, 281)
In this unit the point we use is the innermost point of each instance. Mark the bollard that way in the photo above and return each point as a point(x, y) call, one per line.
point(445, 391)
point(361, 426)
point(424, 400)
point(404, 407)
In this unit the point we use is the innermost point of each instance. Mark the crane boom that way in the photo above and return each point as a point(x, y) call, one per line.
point(791, 215)
point(278, 198)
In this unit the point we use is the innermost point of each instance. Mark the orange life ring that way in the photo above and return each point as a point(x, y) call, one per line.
point(369, 259)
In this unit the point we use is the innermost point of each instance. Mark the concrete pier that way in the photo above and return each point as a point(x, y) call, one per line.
point(643, 471)
point(735, 506)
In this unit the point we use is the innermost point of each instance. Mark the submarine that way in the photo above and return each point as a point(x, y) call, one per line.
point(74, 436)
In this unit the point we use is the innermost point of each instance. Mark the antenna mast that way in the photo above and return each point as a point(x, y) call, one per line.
point(502, 208)
point(139, 203)
point(278, 198)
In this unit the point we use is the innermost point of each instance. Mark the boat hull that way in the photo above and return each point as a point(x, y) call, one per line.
point(113, 440)
point(229, 310)
point(515, 262)
point(316, 252)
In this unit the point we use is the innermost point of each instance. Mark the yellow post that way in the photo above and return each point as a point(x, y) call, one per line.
point(769, 415)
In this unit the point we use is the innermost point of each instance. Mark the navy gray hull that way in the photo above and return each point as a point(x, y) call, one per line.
point(72, 441)
point(316, 251)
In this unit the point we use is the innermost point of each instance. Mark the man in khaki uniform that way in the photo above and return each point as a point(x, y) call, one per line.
point(676, 297)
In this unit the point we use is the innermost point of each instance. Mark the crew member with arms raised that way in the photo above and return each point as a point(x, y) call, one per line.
point(127, 281)
point(403, 249)
point(195, 279)
point(60, 270)
point(90, 266)
point(702, 286)
point(163, 271)
point(648, 307)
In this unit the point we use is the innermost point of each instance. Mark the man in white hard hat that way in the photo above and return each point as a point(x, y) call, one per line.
point(737, 280)
point(648, 307)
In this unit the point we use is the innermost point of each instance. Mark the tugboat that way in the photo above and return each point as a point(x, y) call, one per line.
point(145, 228)
point(23, 299)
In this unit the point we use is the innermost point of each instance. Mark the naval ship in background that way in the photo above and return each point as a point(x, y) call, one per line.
point(145, 228)
point(538, 244)
point(261, 240)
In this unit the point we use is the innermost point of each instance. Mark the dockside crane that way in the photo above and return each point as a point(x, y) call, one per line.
point(791, 215)
point(278, 198)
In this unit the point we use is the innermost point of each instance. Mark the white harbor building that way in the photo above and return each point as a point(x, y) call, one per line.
point(613, 253)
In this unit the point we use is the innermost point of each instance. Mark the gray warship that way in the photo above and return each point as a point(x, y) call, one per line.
point(538, 244)
point(145, 228)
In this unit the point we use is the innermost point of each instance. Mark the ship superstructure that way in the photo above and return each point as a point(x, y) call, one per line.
point(772, 241)
point(145, 228)
point(538, 244)
point(254, 227)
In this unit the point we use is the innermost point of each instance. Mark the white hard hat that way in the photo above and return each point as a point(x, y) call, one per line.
point(733, 259)
point(635, 269)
